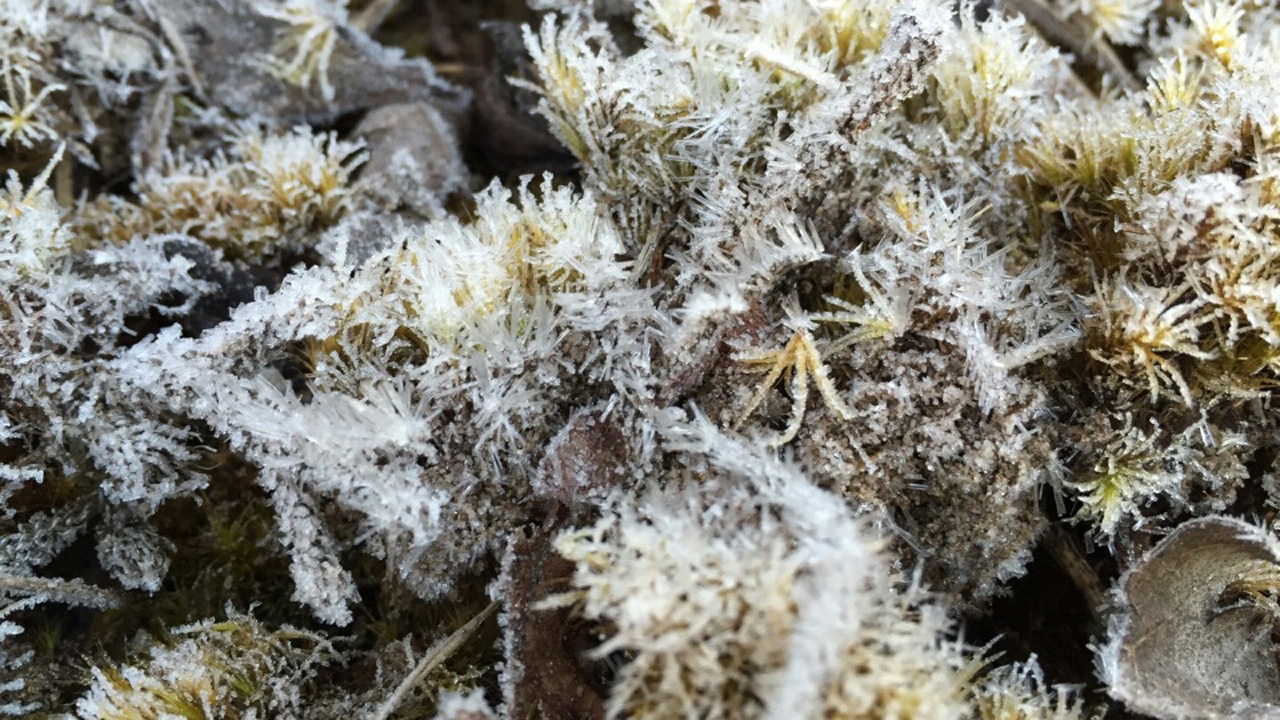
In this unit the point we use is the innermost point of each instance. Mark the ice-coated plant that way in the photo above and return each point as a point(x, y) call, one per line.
point(445, 354)
point(234, 668)
point(272, 195)
point(302, 55)
point(794, 611)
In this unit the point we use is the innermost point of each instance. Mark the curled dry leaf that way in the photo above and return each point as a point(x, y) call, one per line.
point(414, 160)
point(511, 134)
point(1195, 635)
point(229, 41)
point(584, 461)
point(546, 673)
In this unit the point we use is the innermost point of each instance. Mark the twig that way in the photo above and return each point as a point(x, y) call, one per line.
point(373, 15)
point(1069, 558)
point(180, 50)
point(1075, 39)
point(64, 187)
point(71, 592)
point(431, 660)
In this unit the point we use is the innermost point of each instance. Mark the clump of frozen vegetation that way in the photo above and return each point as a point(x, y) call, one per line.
point(835, 313)
point(748, 592)
point(233, 668)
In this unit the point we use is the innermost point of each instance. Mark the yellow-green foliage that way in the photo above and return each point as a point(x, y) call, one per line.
point(269, 194)
point(232, 669)
point(432, 299)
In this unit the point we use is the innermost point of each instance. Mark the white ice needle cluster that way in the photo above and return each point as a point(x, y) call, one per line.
point(436, 371)
point(753, 594)
point(750, 593)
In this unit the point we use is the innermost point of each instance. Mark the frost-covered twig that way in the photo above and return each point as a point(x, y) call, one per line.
point(432, 659)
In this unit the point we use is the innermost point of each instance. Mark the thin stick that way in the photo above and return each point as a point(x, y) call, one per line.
point(70, 592)
point(179, 47)
point(431, 660)
point(375, 13)
point(1075, 39)
point(64, 185)
point(1069, 558)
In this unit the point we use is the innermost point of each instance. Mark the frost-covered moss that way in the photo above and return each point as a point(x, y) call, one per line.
point(835, 307)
